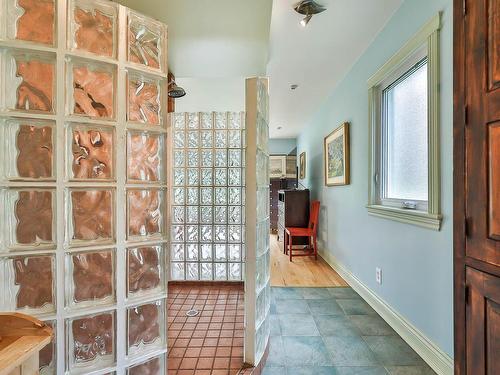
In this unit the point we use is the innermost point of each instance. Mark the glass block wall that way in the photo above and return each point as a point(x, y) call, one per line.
point(208, 196)
point(83, 236)
point(257, 280)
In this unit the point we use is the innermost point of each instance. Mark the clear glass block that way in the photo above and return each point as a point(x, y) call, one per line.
point(29, 283)
point(93, 88)
point(192, 252)
point(30, 218)
point(145, 41)
point(179, 196)
point(92, 151)
point(234, 139)
point(179, 120)
point(145, 212)
point(193, 177)
point(234, 158)
point(220, 120)
point(155, 366)
point(178, 233)
point(179, 159)
point(145, 271)
point(206, 214)
point(220, 139)
point(206, 120)
point(31, 21)
point(206, 272)
point(47, 356)
point(220, 177)
point(234, 252)
point(220, 233)
point(192, 232)
point(262, 270)
point(206, 194)
point(91, 342)
point(206, 138)
point(193, 158)
point(206, 177)
point(234, 233)
point(146, 327)
point(178, 215)
point(30, 78)
point(192, 214)
point(177, 252)
point(234, 214)
point(262, 167)
point(220, 214)
point(192, 272)
point(234, 176)
point(262, 134)
point(262, 203)
point(206, 158)
point(206, 252)
point(262, 338)
point(90, 278)
point(261, 306)
point(220, 195)
point(193, 139)
point(206, 233)
point(220, 158)
point(220, 271)
point(193, 120)
point(92, 216)
point(234, 195)
point(29, 152)
point(179, 139)
point(179, 177)
point(220, 252)
point(234, 271)
point(177, 271)
point(143, 99)
point(92, 27)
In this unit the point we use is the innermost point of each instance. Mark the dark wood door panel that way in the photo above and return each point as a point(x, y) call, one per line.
point(494, 180)
point(494, 44)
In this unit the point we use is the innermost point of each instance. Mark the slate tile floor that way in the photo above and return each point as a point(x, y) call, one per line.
point(332, 331)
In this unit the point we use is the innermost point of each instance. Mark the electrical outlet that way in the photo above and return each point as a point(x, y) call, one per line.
point(378, 275)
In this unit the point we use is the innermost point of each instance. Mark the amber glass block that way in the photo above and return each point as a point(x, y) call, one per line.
point(145, 326)
point(31, 20)
point(153, 366)
point(145, 207)
point(144, 41)
point(93, 27)
point(92, 278)
point(92, 215)
point(144, 156)
point(92, 152)
point(31, 80)
point(93, 89)
point(91, 341)
point(145, 270)
point(47, 356)
point(143, 99)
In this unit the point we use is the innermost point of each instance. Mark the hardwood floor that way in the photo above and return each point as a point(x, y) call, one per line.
point(302, 272)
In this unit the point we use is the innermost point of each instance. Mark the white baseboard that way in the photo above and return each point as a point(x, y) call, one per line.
point(438, 360)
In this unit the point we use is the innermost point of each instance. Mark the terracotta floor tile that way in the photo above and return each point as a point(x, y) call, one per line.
point(173, 363)
point(195, 343)
point(193, 352)
point(225, 341)
point(181, 343)
point(211, 341)
point(176, 352)
point(221, 363)
point(185, 372)
point(223, 351)
point(202, 372)
point(205, 363)
point(188, 363)
point(208, 352)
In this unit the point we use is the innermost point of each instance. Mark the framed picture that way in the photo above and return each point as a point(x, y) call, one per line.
point(277, 166)
point(336, 156)
point(302, 165)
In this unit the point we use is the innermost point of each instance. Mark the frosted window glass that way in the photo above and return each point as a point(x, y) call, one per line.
point(406, 135)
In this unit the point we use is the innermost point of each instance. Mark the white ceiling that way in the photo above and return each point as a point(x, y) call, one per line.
point(318, 56)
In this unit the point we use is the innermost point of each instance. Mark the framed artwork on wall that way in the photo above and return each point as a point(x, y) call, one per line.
point(277, 166)
point(336, 155)
point(302, 165)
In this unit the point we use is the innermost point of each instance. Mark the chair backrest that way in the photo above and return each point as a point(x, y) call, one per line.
point(314, 216)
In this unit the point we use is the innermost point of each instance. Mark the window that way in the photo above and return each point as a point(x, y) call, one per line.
point(404, 128)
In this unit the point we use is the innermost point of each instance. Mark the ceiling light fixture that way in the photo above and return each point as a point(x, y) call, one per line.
point(294, 86)
point(308, 8)
point(279, 127)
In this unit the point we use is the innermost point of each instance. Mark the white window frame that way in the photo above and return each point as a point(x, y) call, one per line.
point(427, 214)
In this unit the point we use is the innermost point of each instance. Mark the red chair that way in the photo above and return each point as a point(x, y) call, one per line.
point(309, 232)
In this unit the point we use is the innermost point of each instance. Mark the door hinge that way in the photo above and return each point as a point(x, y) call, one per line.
point(466, 227)
point(467, 294)
point(466, 115)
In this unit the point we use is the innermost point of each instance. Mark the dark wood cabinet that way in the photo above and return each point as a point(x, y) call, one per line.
point(477, 186)
point(275, 185)
point(293, 211)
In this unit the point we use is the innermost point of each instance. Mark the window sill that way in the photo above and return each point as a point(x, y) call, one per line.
point(419, 218)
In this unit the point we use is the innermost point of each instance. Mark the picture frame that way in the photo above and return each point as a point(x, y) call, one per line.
point(277, 166)
point(337, 156)
point(302, 165)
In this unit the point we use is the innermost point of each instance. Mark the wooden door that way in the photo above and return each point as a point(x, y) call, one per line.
point(477, 186)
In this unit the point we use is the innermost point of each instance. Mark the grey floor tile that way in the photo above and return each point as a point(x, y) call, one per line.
point(290, 306)
point(274, 371)
point(331, 325)
point(315, 293)
point(276, 356)
point(311, 370)
point(324, 307)
point(286, 293)
point(361, 370)
point(392, 351)
point(372, 325)
point(410, 370)
point(355, 307)
point(349, 351)
point(306, 351)
point(274, 322)
point(343, 293)
point(298, 325)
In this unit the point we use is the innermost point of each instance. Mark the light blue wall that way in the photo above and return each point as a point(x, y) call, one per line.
point(281, 146)
point(416, 263)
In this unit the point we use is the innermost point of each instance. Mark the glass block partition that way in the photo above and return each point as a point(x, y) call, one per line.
point(83, 182)
point(257, 277)
point(208, 196)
